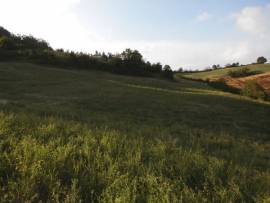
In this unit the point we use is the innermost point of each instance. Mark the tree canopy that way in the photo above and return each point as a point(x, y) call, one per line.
point(261, 60)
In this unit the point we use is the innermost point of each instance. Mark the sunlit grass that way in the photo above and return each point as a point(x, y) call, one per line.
point(215, 74)
point(61, 161)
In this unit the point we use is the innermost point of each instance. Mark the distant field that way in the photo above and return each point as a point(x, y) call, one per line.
point(71, 136)
point(215, 74)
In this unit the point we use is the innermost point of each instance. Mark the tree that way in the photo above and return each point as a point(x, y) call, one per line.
point(167, 72)
point(30, 42)
point(261, 60)
point(132, 56)
point(7, 43)
point(214, 67)
point(4, 32)
point(115, 63)
point(156, 67)
point(235, 64)
point(133, 63)
point(167, 68)
point(180, 70)
point(104, 57)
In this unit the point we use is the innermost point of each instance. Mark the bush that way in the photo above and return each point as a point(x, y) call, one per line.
point(254, 90)
point(242, 72)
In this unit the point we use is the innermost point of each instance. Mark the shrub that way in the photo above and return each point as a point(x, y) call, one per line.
point(254, 90)
point(242, 72)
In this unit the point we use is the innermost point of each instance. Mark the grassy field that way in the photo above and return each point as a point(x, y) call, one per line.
point(71, 136)
point(215, 74)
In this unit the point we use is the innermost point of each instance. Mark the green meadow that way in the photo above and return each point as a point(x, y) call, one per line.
point(87, 136)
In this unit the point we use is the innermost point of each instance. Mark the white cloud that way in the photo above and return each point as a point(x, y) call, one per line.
point(205, 16)
point(53, 20)
point(254, 20)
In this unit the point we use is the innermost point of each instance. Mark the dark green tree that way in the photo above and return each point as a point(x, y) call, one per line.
point(7, 43)
point(156, 67)
point(214, 67)
point(4, 32)
point(261, 60)
point(167, 72)
point(180, 70)
point(132, 56)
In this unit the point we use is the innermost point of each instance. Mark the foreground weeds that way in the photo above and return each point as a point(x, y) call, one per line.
point(51, 160)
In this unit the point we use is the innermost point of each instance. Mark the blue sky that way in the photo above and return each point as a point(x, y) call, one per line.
point(163, 20)
point(188, 33)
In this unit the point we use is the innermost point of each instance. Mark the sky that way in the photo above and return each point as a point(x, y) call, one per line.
point(193, 34)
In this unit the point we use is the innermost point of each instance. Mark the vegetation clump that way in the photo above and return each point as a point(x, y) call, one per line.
point(254, 90)
point(241, 72)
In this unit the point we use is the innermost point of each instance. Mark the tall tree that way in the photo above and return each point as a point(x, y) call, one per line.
point(261, 60)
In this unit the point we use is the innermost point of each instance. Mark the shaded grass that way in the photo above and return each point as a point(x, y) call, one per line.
point(91, 97)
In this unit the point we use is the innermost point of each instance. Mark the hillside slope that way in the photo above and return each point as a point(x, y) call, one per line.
point(91, 136)
point(215, 74)
point(262, 79)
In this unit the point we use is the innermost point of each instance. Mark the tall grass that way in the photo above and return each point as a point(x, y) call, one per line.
point(51, 160)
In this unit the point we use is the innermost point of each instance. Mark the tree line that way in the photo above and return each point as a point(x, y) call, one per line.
point(260, 60)
point(31, 49)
